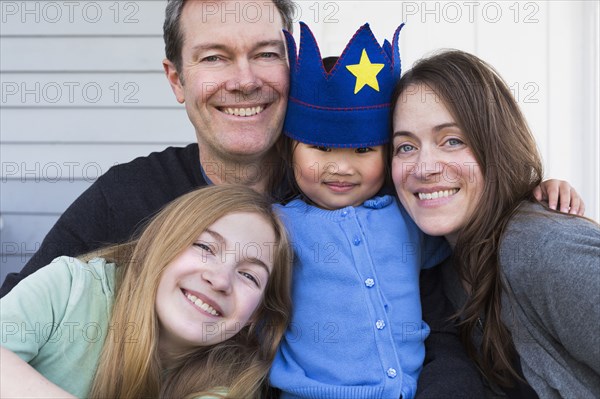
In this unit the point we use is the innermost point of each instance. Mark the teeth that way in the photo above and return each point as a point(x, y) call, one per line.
point(204, 306)
point(244, 111)
point(437, 194)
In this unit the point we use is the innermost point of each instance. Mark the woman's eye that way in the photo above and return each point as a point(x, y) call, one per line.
point(251, 278)
point(404, 148)
point(455, 142)
point(363, 150)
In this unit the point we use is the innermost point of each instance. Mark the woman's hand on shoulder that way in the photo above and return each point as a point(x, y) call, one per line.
point(560, 193)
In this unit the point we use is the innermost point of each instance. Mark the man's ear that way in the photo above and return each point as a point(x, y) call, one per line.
point(174, 81)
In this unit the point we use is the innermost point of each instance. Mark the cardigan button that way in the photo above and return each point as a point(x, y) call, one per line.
point(380, 324)
point(369, 282)
point(356, 241)
point(344, 212)
point(392, 373)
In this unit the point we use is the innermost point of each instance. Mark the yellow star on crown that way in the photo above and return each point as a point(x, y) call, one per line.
point(365, 72)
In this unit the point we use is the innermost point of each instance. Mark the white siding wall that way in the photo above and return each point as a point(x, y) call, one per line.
point(82, 88)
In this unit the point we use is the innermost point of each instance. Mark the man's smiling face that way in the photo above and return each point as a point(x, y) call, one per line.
point(234, 77)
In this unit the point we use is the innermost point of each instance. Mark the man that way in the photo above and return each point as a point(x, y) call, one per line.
point(226, 61)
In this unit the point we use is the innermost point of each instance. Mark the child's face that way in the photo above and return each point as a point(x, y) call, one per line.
point(334, 178)
point(212, 289)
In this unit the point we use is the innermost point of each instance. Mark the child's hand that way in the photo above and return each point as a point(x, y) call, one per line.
point(554, 190)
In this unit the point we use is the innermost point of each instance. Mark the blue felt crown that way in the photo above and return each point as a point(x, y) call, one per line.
point(349, 106)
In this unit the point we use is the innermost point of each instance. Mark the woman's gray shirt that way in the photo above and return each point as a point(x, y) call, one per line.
point(551, 268)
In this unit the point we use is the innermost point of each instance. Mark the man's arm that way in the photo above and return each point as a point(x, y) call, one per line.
point(447, 372)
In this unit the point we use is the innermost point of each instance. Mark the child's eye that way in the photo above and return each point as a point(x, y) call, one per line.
point(323, 148)
point(204, 247)
point(363, 150)
point(251, 278)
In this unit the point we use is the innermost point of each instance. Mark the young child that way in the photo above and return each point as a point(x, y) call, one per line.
point(196, 306)
point(356, 330)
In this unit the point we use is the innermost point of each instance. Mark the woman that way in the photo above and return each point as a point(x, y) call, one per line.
point(465, 166)
point(201, 301)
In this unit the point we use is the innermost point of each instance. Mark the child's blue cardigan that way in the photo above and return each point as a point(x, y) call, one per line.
point(356, 330)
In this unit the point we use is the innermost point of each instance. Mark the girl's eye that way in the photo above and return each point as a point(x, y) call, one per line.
point(322, 148)
point(251, 278)
point(363, 150)
point(204, 247)
point(404, 148)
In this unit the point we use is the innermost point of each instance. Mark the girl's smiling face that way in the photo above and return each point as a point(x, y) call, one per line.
point(436, 176)
point(213, 288)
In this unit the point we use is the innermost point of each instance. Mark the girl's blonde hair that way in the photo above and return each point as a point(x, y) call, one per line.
point(129, 365)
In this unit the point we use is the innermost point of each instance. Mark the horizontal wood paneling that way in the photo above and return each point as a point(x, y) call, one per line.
point(42, 197)
point(21, 236)
point(82, 17)
point(50, 163)
point(94, 54)
point(89, 90)
point(90, 125)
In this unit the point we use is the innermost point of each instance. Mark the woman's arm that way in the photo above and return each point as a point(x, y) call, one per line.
point(552, 270)
point(20, 380)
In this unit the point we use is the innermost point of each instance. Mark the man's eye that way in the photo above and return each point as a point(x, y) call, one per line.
point(211, 58)
point(269, 55)
point(363, 150)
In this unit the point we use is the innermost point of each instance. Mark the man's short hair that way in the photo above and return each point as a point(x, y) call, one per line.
point(174, 37)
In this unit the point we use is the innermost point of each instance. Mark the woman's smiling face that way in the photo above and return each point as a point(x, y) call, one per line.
point(436, 175)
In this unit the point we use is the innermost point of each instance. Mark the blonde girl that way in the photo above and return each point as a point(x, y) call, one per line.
point(196, 306)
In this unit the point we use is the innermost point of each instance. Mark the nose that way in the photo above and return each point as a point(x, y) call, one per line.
point(218, 278)
point(341, 165)
point(244, 78)
point(429, 165)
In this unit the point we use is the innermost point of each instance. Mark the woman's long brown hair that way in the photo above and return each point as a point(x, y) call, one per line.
point(497, 133)
point(130, 365)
